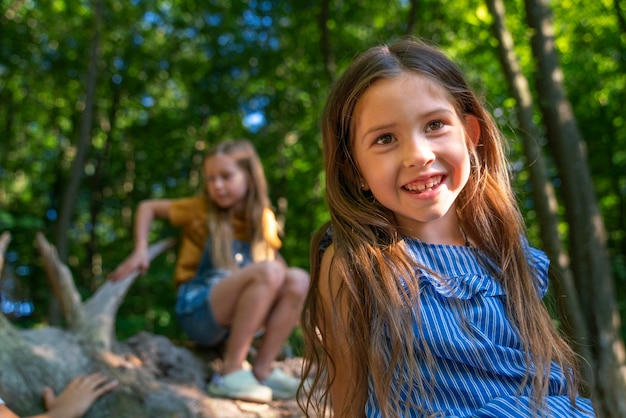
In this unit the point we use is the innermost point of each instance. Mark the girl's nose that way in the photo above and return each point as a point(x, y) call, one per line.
point(417, 152)
point(216, 184)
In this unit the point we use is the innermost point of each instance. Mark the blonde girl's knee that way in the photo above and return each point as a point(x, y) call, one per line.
point(272, 273)
point(301, 273)
point(298, 281)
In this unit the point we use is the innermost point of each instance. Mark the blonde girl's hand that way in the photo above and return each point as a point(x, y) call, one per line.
point(78, 396)
point(139, 260)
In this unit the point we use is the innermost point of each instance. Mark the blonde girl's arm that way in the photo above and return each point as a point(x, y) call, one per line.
point(337, 347)
point(139, 259)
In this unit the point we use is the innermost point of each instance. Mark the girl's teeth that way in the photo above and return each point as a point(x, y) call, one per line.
point(420, 187)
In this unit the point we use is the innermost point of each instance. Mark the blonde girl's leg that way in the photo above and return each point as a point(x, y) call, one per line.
point(242, 302)
point(282, 319)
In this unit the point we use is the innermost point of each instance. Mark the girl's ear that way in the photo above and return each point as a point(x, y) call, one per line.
point(472, 128)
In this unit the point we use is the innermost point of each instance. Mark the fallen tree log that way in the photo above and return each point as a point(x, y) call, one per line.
point(157, 379)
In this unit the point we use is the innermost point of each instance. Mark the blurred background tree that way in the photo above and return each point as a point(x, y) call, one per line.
point(108, 102)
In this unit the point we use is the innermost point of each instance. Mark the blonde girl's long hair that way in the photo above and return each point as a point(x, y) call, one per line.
point(369, 253)
point(220, 221)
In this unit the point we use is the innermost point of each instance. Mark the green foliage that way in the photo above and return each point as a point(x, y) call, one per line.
point(176, 77)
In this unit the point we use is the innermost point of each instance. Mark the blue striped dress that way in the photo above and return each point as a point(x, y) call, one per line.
point(478, 361)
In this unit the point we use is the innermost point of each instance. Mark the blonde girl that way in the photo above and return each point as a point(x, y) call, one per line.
point(425, 297)
point(230, 279)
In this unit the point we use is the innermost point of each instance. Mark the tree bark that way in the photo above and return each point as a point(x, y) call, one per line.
point(85, 135)
point(621, 20)
point(51, 356)
point(412, 17)
point(587, 237)
point(68, 201)
point(93, 321)
point(573, 323)
point(325, 45)
point(157, 378)
point(5, 239)
point(97, 190)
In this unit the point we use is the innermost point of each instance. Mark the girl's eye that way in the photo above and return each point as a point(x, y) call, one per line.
point(385, 139)
point(434, 126)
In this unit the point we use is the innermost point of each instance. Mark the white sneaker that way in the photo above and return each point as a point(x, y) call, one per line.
point(282, 385)
point(240, 385)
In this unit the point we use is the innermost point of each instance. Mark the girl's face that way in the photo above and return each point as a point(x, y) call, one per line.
point(411, 149)
point(226, 182)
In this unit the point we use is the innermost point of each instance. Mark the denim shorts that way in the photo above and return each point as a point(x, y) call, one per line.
point(194, 313)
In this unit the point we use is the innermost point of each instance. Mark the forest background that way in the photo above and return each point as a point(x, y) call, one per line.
point(104, 103)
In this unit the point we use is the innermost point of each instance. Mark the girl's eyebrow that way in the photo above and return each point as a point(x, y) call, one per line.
point(377, 128)
point(429, 114)
point(438, 110)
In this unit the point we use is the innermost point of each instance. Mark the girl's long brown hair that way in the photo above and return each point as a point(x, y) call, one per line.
point(369, 253)
point(257, 200)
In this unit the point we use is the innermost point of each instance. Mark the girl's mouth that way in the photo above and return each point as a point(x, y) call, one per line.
point(423, 186)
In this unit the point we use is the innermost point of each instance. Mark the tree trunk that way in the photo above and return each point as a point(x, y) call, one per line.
point(157, 378)
point(5, 239)
point(621, 20)
point(412, 17)
point(587, 238)
point(325, 44)
point(615, 147)
point(94, 265)
point(51, 356)
point(573, 323)
point(84, 138)
point(68, 201)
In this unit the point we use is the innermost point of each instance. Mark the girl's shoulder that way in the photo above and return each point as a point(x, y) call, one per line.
point(449, 260)
point(469, 270)
point(188, 210)
point(197, 202)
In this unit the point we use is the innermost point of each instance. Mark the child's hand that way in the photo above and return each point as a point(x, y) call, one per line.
point(138, 260)
point(78, 396)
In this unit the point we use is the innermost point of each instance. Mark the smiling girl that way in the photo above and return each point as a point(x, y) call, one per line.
point(425, 296)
